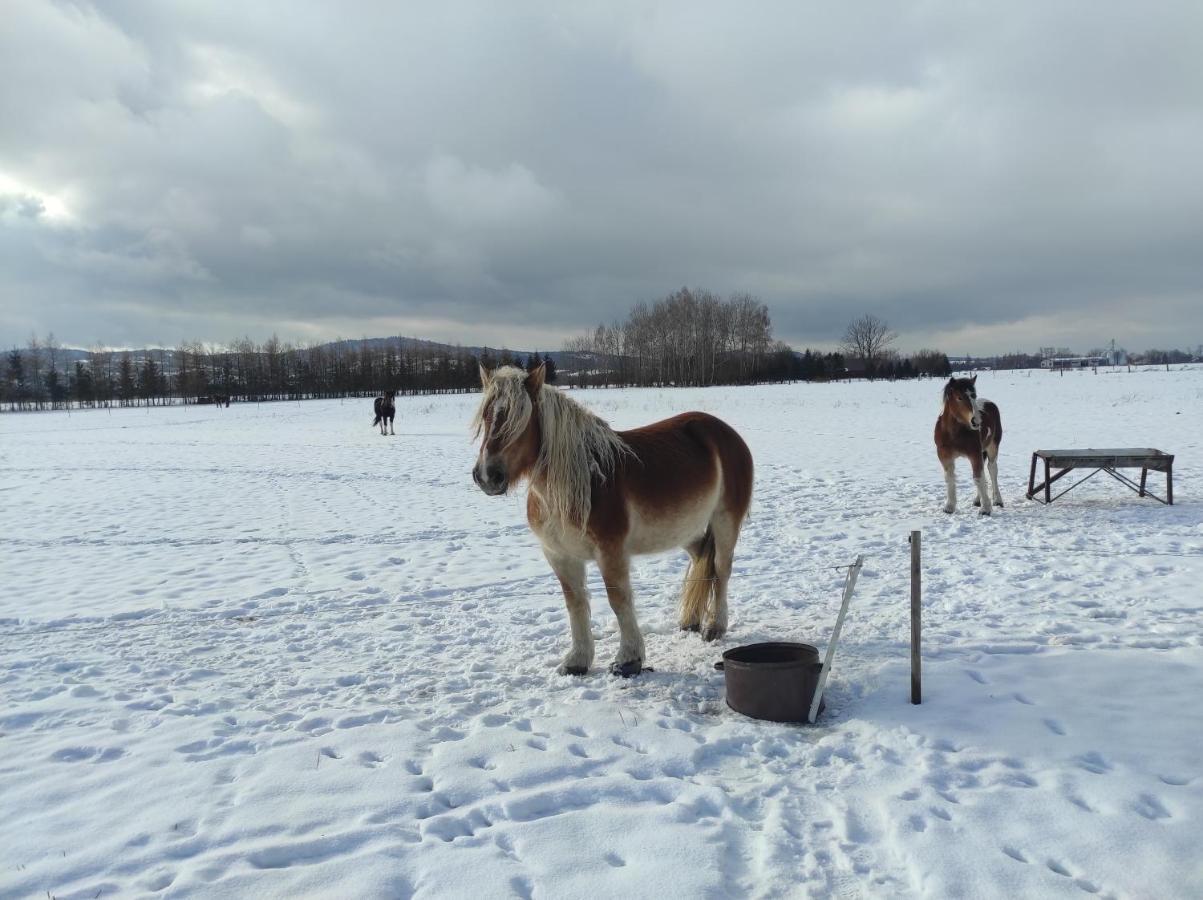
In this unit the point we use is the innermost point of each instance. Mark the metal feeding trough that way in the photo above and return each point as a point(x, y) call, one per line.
point(783, 681)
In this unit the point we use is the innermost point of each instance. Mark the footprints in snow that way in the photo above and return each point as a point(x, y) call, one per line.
point(1054, 866)
point(87, 754)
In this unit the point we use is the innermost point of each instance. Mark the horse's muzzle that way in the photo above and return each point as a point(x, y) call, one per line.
point(493, 483)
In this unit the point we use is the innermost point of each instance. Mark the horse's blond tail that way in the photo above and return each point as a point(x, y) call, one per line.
point(699, 584)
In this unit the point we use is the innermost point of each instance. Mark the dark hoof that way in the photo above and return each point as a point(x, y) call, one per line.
point(713, 633)
point(977, 502)
point(573, 670)
point(694, 627)
point(999, 504)
point(627, 669)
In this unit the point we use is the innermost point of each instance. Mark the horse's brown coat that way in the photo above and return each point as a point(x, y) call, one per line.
point(685, 481)
point(955, 435)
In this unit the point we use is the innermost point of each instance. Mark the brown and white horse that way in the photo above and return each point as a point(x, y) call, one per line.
point(604, 496)
point(969, 426)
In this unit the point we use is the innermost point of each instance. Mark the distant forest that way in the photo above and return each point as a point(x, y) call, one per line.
point(688, 338)
point(44, 375)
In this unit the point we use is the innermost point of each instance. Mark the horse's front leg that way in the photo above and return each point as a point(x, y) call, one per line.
point(571, 573)
point(616, 573)
point(950, 483)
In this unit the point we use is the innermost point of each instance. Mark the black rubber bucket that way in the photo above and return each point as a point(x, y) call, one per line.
point(774, 681)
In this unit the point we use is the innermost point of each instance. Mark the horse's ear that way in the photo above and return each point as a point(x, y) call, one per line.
point(486, 377)
point(534, 380)
point(974, 379)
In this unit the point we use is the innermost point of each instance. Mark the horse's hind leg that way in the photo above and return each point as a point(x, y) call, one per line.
point(390, 426)
point(725, 528)
point(616, 573)
point(691, 612)
point(992, 464)
point(979, 479)
point(571, 573)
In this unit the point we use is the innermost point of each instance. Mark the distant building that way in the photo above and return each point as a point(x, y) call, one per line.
point(1075, 362)
point(972, 363)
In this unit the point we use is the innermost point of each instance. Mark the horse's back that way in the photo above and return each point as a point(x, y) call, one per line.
point(689, 449)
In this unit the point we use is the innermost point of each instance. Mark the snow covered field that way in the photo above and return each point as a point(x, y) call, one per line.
point(263, 651)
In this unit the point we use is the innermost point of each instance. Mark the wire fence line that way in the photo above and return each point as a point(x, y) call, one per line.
point(354, 611)
point(357, 611)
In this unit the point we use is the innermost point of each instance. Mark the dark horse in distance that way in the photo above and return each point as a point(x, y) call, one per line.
point(385, 411)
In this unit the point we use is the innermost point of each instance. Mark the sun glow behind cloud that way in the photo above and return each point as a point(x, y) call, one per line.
point(30, 202)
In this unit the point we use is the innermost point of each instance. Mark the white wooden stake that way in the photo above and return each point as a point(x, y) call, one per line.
point(849, 585)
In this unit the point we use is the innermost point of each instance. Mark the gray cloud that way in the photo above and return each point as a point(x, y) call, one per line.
point(984, 178)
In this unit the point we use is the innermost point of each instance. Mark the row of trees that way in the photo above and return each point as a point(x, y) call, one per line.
point(694, 337)
point(43, 376)
point(690, 337)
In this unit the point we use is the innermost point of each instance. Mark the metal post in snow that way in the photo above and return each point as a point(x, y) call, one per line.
point(916, 608)
point(849, 586)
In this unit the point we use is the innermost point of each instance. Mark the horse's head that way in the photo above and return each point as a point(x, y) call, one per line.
point(960, 400)
point(507, 421)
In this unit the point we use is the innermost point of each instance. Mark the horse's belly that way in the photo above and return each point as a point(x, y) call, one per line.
point(657, 530)
point(563, 542)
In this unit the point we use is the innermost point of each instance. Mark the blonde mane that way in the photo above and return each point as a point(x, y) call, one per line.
point(576, 444)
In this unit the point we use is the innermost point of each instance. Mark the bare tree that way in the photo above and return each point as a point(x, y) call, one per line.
point(868, 338)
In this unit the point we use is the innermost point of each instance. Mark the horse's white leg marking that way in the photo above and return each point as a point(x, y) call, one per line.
point(983, 494)
point(950, 482)
point(615, 572)
point(571, 573)
point(993, 465)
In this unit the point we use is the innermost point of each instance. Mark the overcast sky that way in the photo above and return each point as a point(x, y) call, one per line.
point(985, 177)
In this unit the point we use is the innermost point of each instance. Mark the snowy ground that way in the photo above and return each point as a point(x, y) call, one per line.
point(264, 651)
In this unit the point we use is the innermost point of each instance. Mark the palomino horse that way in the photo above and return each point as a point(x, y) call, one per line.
point(601, 495)
point(385, 410)
point(968, 426)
